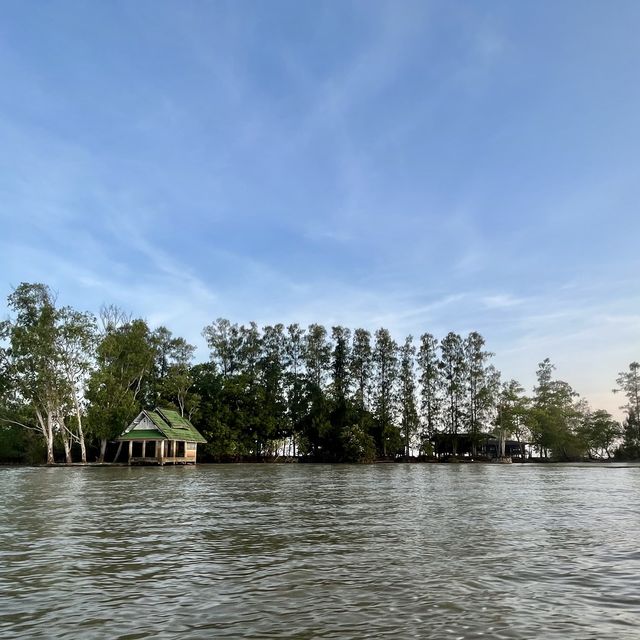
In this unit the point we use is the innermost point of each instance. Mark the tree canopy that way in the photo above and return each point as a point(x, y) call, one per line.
point(71, 382)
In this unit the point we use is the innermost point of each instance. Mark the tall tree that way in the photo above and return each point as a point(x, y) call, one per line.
point(430, 388)
point(35, 361)
point(340, 365)
point(385, 392)
point(481, 386)
point(361, 368)
point(317, 357)
point(294, 380)
point(76, 345)
point(454, 374)
point(124, 365)
point(599, 433)
point(407, 378)
point(225, 342)
point(629, 385)
point(176, 386)
point(272, 426)
point(512, 413)
point(555, 415)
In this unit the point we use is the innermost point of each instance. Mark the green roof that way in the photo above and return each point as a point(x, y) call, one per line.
point(141, 434)
point(170, 424)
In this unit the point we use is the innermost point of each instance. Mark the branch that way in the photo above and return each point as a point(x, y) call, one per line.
point(19, 424)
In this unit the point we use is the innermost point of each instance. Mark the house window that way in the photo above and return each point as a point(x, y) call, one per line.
point(191, 446)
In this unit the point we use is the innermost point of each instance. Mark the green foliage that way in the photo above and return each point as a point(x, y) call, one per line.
point(124, 372)
point(555, 417)
point(408, 410)
point(357, 445)
point(630, 447)
point(385, 394)
point(430, 385)
point(453, 368)
point(278, 390)
point(629, 385)
point(599, 433)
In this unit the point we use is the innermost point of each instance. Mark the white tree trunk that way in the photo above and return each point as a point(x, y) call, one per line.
point(103, 450)
point(46, 426)
point(66, 441)
point(83, 447)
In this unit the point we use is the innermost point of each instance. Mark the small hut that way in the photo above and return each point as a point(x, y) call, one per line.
point(161, 436)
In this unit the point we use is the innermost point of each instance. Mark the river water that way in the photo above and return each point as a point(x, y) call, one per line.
point(315, 551)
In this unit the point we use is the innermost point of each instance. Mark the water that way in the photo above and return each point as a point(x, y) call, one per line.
point(305, 551)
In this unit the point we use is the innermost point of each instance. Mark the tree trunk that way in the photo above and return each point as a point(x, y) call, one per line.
point(103, 449)
point(47, 431)
point(83, 447)
point(49, 436)
point(115, 459)
point(66, 441)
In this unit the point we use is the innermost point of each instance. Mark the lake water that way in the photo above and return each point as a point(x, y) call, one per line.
point(314, 551)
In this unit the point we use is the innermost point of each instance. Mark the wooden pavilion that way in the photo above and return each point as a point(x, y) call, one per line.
point(161, 436)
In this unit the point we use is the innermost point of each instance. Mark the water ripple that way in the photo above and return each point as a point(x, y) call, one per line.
point(302, 551)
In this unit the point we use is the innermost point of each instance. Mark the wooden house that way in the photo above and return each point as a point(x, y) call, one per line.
point(161, 436)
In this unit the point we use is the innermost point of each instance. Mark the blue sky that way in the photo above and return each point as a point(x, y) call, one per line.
point(427, 166)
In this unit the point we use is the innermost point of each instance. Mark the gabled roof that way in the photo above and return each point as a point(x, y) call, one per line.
point(169, 425)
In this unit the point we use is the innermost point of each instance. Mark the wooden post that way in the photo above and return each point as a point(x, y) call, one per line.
point(130, 450)
point(144, 448)
point(161, 452)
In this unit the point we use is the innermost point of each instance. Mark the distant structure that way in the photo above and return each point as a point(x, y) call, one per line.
point(161, 436)
point(487, 447)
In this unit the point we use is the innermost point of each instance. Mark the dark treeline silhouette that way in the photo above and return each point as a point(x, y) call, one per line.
point(71, 382)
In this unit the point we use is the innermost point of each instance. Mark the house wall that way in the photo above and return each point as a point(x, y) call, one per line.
point(144, 425)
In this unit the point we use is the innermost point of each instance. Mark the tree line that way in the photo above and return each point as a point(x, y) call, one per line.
point(71, 382)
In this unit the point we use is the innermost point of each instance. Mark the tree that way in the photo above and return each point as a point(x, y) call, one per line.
point(408, 411)
point(629, 384)
point(481, 385)
point(35, 362)
point(76, 344)
point(215, 414)
point(294, 380)
point(555, 416)
point(177, 387)
point(511, 414)
point(272, 386)
point(170, 378)
point(342, 414)
point(317, 358)
point(340, 365)
point(453, 377)
point(430, 387)
point(361, 367)
point(385, 380)
point(630, 448)
point(599, 432)
point(317, 355)
point(124, 364)
point(225, 342)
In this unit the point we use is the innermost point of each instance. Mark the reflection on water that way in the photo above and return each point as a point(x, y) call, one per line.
point(306, 551)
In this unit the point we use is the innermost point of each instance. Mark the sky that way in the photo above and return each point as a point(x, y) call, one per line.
point(421, 166)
